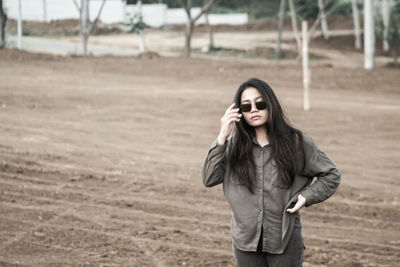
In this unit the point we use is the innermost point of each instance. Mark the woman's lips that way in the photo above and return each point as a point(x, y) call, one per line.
point(255, 117)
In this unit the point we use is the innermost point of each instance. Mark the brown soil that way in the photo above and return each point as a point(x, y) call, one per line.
point(345, 43)
point(100, 160)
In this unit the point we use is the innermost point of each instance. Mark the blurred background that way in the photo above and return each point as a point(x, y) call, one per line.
point(108, 109)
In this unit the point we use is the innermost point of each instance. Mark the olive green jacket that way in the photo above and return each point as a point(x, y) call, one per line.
point(266, 208)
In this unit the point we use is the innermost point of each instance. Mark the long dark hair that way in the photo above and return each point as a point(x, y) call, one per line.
point(285, 140)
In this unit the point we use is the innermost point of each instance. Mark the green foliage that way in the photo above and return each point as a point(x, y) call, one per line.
point(136, 23)
point(394, 32)
point(344, 8)
point(263, 9)
point(306, 9)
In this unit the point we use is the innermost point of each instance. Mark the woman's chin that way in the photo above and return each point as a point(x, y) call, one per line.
point(256, 123)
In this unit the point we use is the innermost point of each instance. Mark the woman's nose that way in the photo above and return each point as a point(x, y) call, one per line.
point(253, 108)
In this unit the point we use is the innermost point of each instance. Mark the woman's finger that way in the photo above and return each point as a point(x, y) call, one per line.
point(234, 117)
point(295, 208)
point(233, 111)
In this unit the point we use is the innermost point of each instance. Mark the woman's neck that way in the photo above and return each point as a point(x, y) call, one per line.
point(262, 136)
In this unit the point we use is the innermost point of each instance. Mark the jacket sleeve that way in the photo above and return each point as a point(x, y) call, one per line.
point(215, 164)
point(318, 164)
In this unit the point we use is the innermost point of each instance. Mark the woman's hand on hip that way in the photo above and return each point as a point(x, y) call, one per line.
point(228, 122)
point(301, 201)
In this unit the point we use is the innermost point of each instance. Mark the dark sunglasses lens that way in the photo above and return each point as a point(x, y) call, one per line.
point(245, 108)
point(261, 105)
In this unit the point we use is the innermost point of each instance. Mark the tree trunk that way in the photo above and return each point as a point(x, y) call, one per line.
point(356, 22)
point(281, 20)
point(294, 26)
point(188, 35)
point(19, 25)
point(85, 25)
point(210, 33)
point(3, 20)
point(369, 35)
point(324, 24)
point(142, 46)
point(142, 42)
point(385, 20)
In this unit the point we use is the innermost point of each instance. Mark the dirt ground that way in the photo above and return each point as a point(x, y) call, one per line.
point(100, 159)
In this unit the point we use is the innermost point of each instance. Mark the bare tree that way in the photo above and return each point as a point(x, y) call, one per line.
point(334, 5)
point(311, 31)
point(3, 20)
point(86, 26)
point(190, 23)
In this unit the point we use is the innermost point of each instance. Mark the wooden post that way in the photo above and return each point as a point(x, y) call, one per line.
point(369, 34)
point(19, 24)
point(306, 71)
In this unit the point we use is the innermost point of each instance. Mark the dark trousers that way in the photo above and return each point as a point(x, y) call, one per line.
point(292, 257)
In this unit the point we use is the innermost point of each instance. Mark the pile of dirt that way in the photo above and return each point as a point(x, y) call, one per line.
point(65, 27)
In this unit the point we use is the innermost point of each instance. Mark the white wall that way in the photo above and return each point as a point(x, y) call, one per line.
point(156, 15)
point(178, 16)
point(113, 11)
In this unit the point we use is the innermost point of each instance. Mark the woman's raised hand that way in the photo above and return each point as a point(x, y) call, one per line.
point(227, 123)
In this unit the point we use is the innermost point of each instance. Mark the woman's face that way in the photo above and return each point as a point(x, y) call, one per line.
point(255, 117)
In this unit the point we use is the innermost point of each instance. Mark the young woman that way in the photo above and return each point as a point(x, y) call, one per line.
point(266, 167)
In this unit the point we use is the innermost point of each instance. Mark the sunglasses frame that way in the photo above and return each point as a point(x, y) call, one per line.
point(261, 105)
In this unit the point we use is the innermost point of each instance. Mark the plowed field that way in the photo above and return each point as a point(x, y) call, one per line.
point(100, 160)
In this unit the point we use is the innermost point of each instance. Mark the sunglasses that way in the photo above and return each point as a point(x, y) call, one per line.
point(247, 107)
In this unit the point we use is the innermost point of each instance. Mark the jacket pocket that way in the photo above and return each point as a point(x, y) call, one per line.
point(276, 182)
